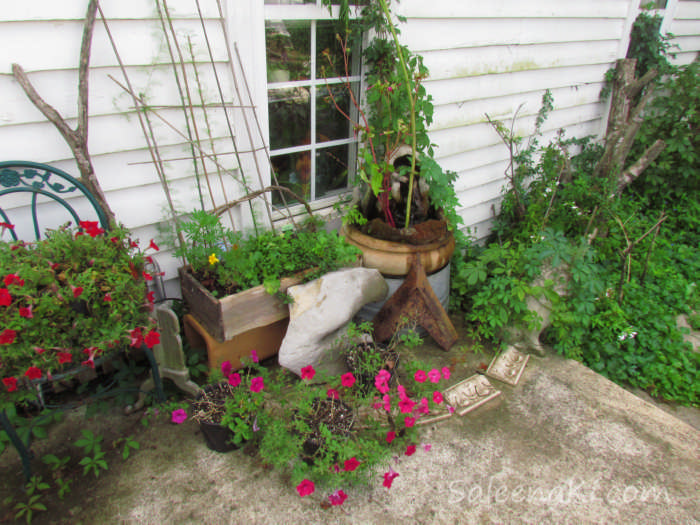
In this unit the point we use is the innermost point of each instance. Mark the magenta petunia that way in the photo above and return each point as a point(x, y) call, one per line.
point(306, 487)
point(437, 397)
point(389, 477)
point(10, 383)
point(33, 373)
point(386, 399)
point(77, 291)
point(234, 379)
point(406, 405)
point(333, 393)
point(153, 245)
point(64, 357)
point(308, 372)
point(136, 337)
point(420, 376)
point(410, 450)
point(434, 375)
point(5, 297)
point(26, 312)
point(445, 372)
point(254, 356)
point(337, 498)
point(178, 416)
point(390, 436)
point(347, 379)
point(351, 464)
point(409, 421)
point(226, 368)
point(257, 384)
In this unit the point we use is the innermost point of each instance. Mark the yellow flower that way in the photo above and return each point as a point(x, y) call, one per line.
point(213, 259)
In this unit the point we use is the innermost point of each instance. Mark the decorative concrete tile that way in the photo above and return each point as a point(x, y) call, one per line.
point(508, 366)
point(469, 394)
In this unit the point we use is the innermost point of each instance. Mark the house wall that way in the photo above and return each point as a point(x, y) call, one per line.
point(484, 57)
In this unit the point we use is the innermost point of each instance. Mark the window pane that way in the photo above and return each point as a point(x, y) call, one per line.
point(289, 2)
point(294, 172)
point(290, 117)
point(330, 123)
point(329, 52)
point(331, 169)
point(288, 50)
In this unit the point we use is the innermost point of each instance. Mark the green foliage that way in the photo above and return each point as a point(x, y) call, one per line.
point(33, 504)
point(237, 263)
point(674, 116)
point(94, 455)
point(648, 46)
point(614, 272)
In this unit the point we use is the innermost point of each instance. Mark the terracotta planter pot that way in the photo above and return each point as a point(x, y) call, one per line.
point(394, 258)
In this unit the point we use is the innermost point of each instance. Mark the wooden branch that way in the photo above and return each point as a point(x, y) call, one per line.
point(221, 209)
point(636, 169)
point(632, 89)
point(84, 65)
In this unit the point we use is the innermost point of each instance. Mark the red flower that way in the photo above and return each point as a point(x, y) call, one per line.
point(147, 276)
point(77, 291)
point(347, 379)
point(33, 373)
point(151, 297)
point(308, 372)
point(136, 337)
point(390, 436)
point(420, 376)
point(389, 477)
point(10, 383)
point(337, 498)
point(7, 337)
point(306, 487)
point(333, 393)
point(257, 384)
point(26, 312)
point(64, 357)
point(409, 421)
point(437, 397)
point(92, 228)
point(351, 464)
point(107, 298)
point(7, 225)
point(152, 339)
point(13, 278)
point(153, 245)
point(114, 239)
point(410, 450)
point(133, 244)
point(5, 297)
point(406, 405)
point(39, 350)
point(234, 379)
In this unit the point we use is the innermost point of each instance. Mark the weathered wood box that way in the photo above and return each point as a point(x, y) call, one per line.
point(234, 314)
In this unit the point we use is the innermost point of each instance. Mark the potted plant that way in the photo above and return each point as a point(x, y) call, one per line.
point(404, 203)
point(234, 285)
point(68, 299)
point(231, 409)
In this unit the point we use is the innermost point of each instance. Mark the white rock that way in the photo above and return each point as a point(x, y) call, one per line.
point(321, 312)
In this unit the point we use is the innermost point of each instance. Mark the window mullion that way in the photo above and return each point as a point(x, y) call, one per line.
point(312, 101)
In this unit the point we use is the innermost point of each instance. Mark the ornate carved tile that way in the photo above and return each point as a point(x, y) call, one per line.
point(508, 366)
point(470, 394)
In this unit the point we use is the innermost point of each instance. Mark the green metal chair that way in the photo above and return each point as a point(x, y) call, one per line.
point(34, 197)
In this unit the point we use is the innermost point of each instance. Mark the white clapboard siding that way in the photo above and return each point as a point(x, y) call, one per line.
point(484, 57)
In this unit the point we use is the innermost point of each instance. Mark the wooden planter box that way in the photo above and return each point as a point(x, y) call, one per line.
point(236, 314)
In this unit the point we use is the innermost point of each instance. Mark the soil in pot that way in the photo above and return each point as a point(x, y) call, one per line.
point(208, 409)
point(337, 416)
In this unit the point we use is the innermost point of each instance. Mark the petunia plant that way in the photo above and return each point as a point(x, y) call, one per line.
point(67, 300)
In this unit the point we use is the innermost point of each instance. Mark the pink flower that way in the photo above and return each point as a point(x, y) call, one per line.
point(107, 298)
point(10, 383)
point(390, 436)
point(7, 337)
point(153, 245)
point(437, 397)
point(409, 421)
point(381, 381)
point(347, 379)
point(152, 339)
point(387, 402)
point(5, 297)
point(226, 368)
point(427, 447)
point(333, 393)
point(308, 372)
point(306, 487)
point(77, 291)
point(234, 379)
point(178, 416)
point(64, 357)
point(406, 405)
point(434, 375)
point(257, 384)
point(254, 356)
point(410, 450)
point(450, 409)
point(389, 477)
point(419, 376)
point(423, 407)
point(337, 498)
point(33, 373)
point(26, 312)
point(351, 464)
point(39, 350)
point(402, 391)
point(445, 372)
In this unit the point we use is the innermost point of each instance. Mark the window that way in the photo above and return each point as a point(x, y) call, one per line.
point(312, 145)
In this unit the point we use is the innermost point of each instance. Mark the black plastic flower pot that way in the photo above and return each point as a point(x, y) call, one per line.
point(218, 438)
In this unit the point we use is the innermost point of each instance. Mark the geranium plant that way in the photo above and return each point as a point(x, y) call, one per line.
point(69, 298)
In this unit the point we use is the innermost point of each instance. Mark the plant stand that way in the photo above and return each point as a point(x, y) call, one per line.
point(416, 300)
